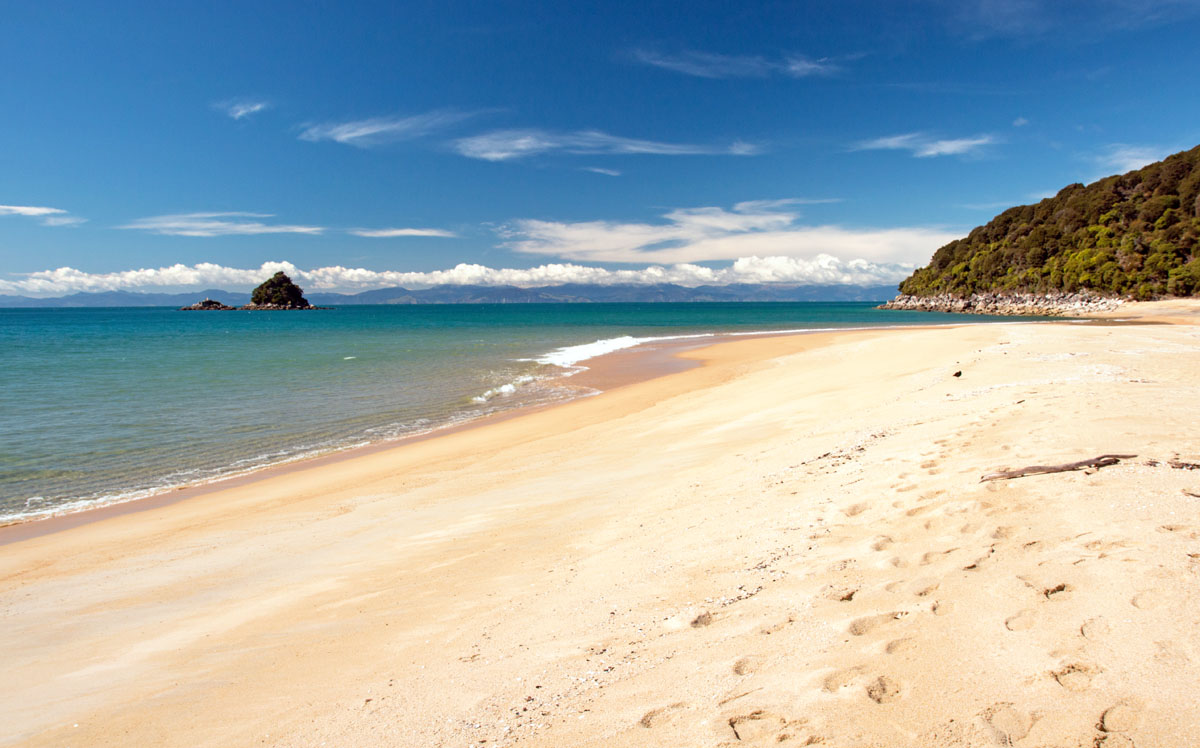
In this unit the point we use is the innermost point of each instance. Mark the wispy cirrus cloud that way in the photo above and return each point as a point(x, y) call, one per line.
point(46, 216)
point(242, 108)
point(599, 170)
point(821, 269)
point(690, 235)
point(711, 65)
point(393, 233)
point(232, 223)
point(923, 145)
point(1121, 157)
point(373, 131)
point(1031, 19)
point(63, 221)
point(505, 145)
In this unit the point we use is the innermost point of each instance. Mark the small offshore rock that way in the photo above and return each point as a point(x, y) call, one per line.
point(208, 305)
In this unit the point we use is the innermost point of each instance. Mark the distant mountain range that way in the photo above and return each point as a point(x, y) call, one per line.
point(570, 293)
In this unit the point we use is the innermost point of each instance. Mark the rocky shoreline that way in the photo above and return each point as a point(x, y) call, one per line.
point(1077, 304)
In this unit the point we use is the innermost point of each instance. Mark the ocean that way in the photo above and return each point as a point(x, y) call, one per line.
point(106, 405)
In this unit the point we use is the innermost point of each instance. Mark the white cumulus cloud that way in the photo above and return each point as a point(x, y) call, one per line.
point(821, 269)
point(756, 228)
point(215, 224)
point(922, 145)
point(504, 145)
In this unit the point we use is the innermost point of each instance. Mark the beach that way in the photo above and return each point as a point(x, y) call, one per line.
point(788, 543)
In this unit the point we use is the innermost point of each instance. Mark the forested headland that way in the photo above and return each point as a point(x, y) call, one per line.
point(1132, 235)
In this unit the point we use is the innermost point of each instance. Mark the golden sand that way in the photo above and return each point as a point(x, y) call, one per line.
point(789, 545)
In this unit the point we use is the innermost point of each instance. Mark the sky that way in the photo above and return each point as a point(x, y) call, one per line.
point(149, 146)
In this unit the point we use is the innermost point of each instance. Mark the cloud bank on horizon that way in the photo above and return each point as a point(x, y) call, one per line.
point(822, 269)
point(757, 228)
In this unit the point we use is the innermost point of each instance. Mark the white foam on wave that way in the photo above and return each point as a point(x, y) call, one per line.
point(503, 390)
point(570, 356)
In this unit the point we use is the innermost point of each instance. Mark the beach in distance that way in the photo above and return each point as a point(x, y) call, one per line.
point(776, 540)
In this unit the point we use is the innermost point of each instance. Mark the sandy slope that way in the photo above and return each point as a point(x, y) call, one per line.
point(788, 546)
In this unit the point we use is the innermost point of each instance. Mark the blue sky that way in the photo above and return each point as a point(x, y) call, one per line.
point(170, 146)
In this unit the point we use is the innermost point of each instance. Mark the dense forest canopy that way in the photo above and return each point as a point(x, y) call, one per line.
point(1136, 234)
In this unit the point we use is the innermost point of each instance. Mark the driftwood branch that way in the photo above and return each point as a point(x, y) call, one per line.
point(1095, 462)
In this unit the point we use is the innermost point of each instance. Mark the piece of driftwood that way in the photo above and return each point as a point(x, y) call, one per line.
point(1181, 465)
point(1095, 462)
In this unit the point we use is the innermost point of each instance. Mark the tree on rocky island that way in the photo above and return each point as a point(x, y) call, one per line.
point(279, 291)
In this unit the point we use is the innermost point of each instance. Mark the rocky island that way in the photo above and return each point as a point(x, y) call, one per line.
point(1087, 249)
point(208, 305)
point(277, 293)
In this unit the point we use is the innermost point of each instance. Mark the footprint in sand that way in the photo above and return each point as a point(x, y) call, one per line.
point(934, 556)
point(1075, 676)
point(747, 665)
point(865, 625)
point(942, 607)
point(1008, 724)
point(856, 509)
point(1147, 600)
point(839, 592)
point(883, 690)
point(1124, 717)
point(926, 588)
point(881, 543)
point(702, 620)
point(1094, 628)
point(1022, 621)
point(767, 728)
point(839, 679)
point(903, 644)
point(662, 715)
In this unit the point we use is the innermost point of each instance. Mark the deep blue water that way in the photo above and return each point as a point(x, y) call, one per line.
point(100, 405)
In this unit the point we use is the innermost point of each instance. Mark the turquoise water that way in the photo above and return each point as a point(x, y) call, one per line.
point(103, 405)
